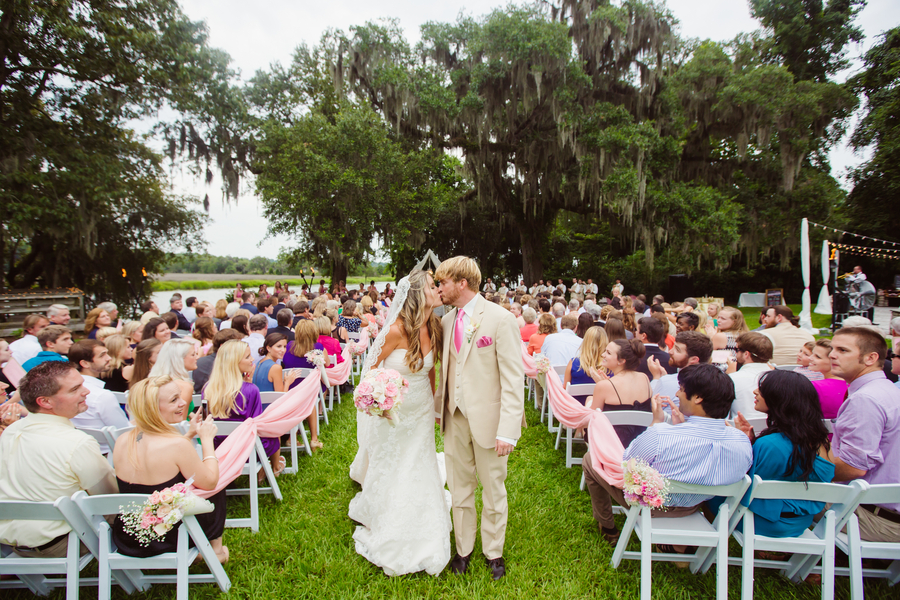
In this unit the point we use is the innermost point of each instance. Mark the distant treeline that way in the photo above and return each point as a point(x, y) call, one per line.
point(208, 263)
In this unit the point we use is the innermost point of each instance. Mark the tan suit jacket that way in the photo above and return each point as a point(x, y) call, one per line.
point(488, 379)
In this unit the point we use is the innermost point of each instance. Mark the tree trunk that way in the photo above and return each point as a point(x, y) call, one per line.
point(340, 268)
point(531, 233)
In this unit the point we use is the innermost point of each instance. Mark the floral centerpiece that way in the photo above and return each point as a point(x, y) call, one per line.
point(644, 486)
point(380, 392)
point(161, 512)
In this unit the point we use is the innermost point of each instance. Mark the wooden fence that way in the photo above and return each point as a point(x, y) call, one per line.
point(16, 305)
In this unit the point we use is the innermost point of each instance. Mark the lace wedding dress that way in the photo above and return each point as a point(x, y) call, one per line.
point(403, 508)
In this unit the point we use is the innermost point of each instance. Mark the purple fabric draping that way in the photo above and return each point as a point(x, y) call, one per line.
point(605, 447)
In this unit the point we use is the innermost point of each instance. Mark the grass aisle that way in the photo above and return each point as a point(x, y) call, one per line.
point(304, 548)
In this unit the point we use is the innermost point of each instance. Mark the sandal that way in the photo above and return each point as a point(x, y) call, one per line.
point(316, 445)
point(282, 463)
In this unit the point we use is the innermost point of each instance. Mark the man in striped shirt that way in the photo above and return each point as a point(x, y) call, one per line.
point(698, 447)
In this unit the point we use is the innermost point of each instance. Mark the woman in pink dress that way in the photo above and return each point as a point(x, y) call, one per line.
point(832, 390)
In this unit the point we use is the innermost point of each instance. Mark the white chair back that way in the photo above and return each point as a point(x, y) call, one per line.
point(629, 417)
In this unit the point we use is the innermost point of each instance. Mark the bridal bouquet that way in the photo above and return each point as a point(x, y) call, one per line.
point(644, 485)
point(380, 392)
point(162, 511)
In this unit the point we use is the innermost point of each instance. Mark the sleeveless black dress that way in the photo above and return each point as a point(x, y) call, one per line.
point(115, 382)
point(627, 433)
point(213, 523)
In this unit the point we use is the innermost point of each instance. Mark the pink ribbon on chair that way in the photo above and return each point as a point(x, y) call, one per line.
point(13, 371)
point(278, 419)
point(606, 449)
point(339, 373)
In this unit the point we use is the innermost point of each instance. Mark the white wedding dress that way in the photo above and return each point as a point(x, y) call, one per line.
point(403, 508)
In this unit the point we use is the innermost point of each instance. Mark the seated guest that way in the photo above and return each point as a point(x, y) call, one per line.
point(28, 346)
point(284, 318)
point(149, 310)
point(698, 448)
point(690, 348)
point(803, 359)
point(230, 311)
point(659, 313)
point(241, 324)
point(157, 328)
point(562, 347)
point(559, 311)
point(516, 309)
point(347, 320)
point(204, 332)
point(615, 328)
point(120, 351)
point(94, 320)
point(793, 447)
point(631, 390)
point(587, 366)
point(331, 345)
point(281, 303)
point(787, 338)
point(337, 332)
point(866, 441)
point(530, 328)
point(546, 326)
point(58, 314)
point(171, 320)
point(651, 333)
point(190, 310)
point(831, 389)
point(34, 470)
point(176, 360)
point(6, 386)
point(181, 321)
point(585, 322)
point(145, 355)
point(205, 364)
point(265, 307)
point(232, 399)
point(134, 331)
point(731, 325)
point(301, 311)
point(92, 360)
point(221, 309)
point(268, 375)
point(154, 456)
point(105, 332)
point(306, 336)
point(55, 342)
point(753, 353)
point(687, 322)
point(247, 299)
point(258, 325)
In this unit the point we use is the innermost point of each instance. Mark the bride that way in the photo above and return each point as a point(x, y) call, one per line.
point(403, 508)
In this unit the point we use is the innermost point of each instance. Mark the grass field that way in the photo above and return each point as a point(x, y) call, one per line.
point(751, 316)
point(249, 284)
point(304, 547)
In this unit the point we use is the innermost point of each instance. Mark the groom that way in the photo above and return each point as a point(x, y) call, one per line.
point(481, 408)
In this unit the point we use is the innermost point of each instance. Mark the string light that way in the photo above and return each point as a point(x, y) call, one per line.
point(858, 235)
point(885, 254)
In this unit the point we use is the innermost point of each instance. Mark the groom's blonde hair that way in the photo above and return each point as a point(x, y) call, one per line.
point(459, 268)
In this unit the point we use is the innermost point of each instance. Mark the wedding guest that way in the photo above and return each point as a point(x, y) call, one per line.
point(331, 345)
point(6, 386)
point(145, 355)
point(347, 320)
point(690, 348)
point(306, 336)
point(753, 353)
point(631, 388)
point(241, 324)
point(205, 363)
point(176, 360)
point(787, 338)
point(134, 331)
point(120, 351)
point(587, 366)
point(265, 307)
point(697, 448)
point(28, 346)
point(34, 470)
point(268, 375)
point(230, 398)
point(58, 314)
point(190, 310)
point(546, 326)
point(731, 324)
point(687, 321)
point(585, 322)
point(793, 447)
point(92, 360)
point(171, 321)
point(866, 439)
point(155, 456)
point(204, 332)
point(615, 329)
point(158, 329)
point(562, 347)
point(803, 360)
point(337, 332)
point(530, 328)
point(221, 308)
point(176, 305)
point(55, 342)
point(247, 300)
point(284, 318)
point(651, 333)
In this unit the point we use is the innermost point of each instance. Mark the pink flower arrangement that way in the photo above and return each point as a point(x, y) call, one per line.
point(162, 511)
point(644, 486)
point(357, 348)
point(380, 392)
point(542, 363)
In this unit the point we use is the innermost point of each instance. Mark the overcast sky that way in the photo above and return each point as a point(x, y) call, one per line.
point(259, 34)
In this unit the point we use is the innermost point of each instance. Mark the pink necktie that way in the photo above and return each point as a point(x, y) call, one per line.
point(458, 331)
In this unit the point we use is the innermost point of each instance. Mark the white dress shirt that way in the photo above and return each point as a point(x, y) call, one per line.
point(591, 288)
point(746, 379)
point(255, 340)
point(25, 348)
point(103, 409)
point(561, 347)
point(190, 313)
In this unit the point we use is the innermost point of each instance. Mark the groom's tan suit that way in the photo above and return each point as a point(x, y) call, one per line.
point(480, 398)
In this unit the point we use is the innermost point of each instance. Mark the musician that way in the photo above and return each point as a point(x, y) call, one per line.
point(856, 276)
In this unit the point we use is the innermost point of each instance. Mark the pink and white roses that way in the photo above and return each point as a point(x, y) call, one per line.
point(380, 392)
point(644, 485)
point(162, 511)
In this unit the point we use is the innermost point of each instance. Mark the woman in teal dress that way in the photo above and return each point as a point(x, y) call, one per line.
point(793, 447)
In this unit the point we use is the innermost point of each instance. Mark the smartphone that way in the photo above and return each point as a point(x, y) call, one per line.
point(716, 323)
point(204, 410)
point(720, 356)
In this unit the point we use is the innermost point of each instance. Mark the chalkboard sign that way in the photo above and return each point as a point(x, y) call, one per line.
point(775, 297)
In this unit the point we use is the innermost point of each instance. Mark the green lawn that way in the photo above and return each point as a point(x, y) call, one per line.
point(304, 547)
point(751, 316)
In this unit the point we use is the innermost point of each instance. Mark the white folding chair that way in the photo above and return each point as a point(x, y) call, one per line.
point(122, 399)
point(304, 373)
point(257, 459)
point(560, 372)
point(112, 435)
point(690, 530)
point(639, 418)
point(786, 367)
point(102, 438)
point(584, 389)
point(96, 508)
point(807, 548)
point(31, 572)
point(270, 397)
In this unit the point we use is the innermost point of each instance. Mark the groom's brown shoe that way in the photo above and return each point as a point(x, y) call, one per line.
point(459, 564)
point(497, 567)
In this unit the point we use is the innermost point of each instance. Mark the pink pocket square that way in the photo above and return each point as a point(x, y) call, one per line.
point(484, 342)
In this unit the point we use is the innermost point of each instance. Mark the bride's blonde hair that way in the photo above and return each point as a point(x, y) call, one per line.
point(412, 318)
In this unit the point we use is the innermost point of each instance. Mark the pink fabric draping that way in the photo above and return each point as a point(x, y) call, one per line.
point(606, 449)
point(278, 419)
point(339, 373)
point(13, 371)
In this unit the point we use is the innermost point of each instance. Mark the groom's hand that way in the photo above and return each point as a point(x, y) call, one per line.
point(503, 449)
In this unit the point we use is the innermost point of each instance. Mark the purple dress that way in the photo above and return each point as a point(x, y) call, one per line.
point(248, 405)
point(290, 361)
